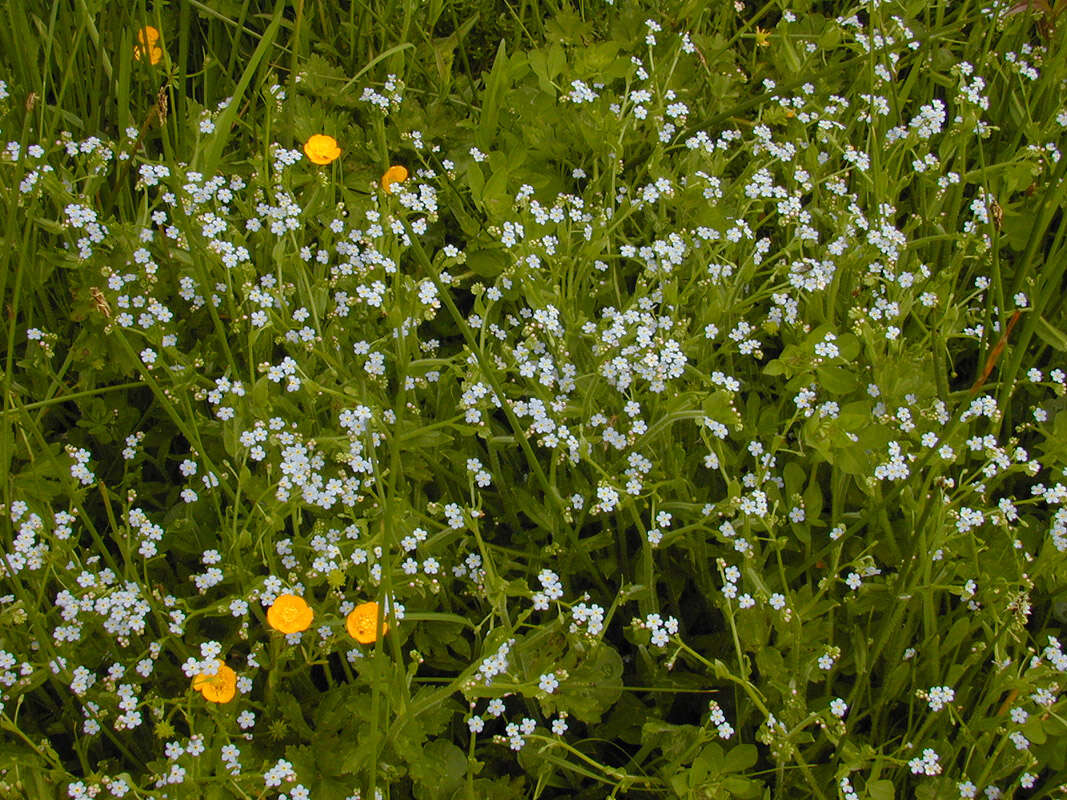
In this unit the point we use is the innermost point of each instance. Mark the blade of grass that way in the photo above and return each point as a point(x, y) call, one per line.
point(224, 124)
point(494, 92)
point(370, 64)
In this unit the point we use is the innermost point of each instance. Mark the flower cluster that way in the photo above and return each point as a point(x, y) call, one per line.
point(518, 400)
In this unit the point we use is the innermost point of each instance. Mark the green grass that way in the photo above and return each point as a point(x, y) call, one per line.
point(693, 412)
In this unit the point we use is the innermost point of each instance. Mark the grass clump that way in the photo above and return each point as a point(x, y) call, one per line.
point(532, 400)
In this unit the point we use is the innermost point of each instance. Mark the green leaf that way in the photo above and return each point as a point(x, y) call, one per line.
point(849, 346)
point(719, 406)
point(601, 60)
point(741, 787)
point(476, 181)
point(679, 744)
point(709, 762)
point(794, 478)
point(957, 633)
point(495, 198)
point(594, 686)
point(567, 27)
point(290, 708)
point(836, 380)
point(1051, 335)
point(487, 262)
point(813, 498)
point(440, 770)
point(495, 89)
point(547, 63)
point(740, 758)
point(504, 788)
point(1035, 731)
point(775, 367)
point(880, 790)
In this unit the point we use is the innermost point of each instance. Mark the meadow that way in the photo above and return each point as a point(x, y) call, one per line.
point(506, 399)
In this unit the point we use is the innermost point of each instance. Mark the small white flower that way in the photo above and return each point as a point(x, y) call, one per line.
point(548, 683)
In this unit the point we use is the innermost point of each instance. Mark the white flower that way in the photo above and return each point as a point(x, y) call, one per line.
point(548, 683)
point(939, 696)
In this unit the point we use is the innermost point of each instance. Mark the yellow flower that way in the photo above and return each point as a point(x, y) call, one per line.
point(395, 174)
point(290, 614)
point(218, 688)
point(148, 38)
point(763, 38)
point(362, 623)
point(321, 149)
point(148, 35)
